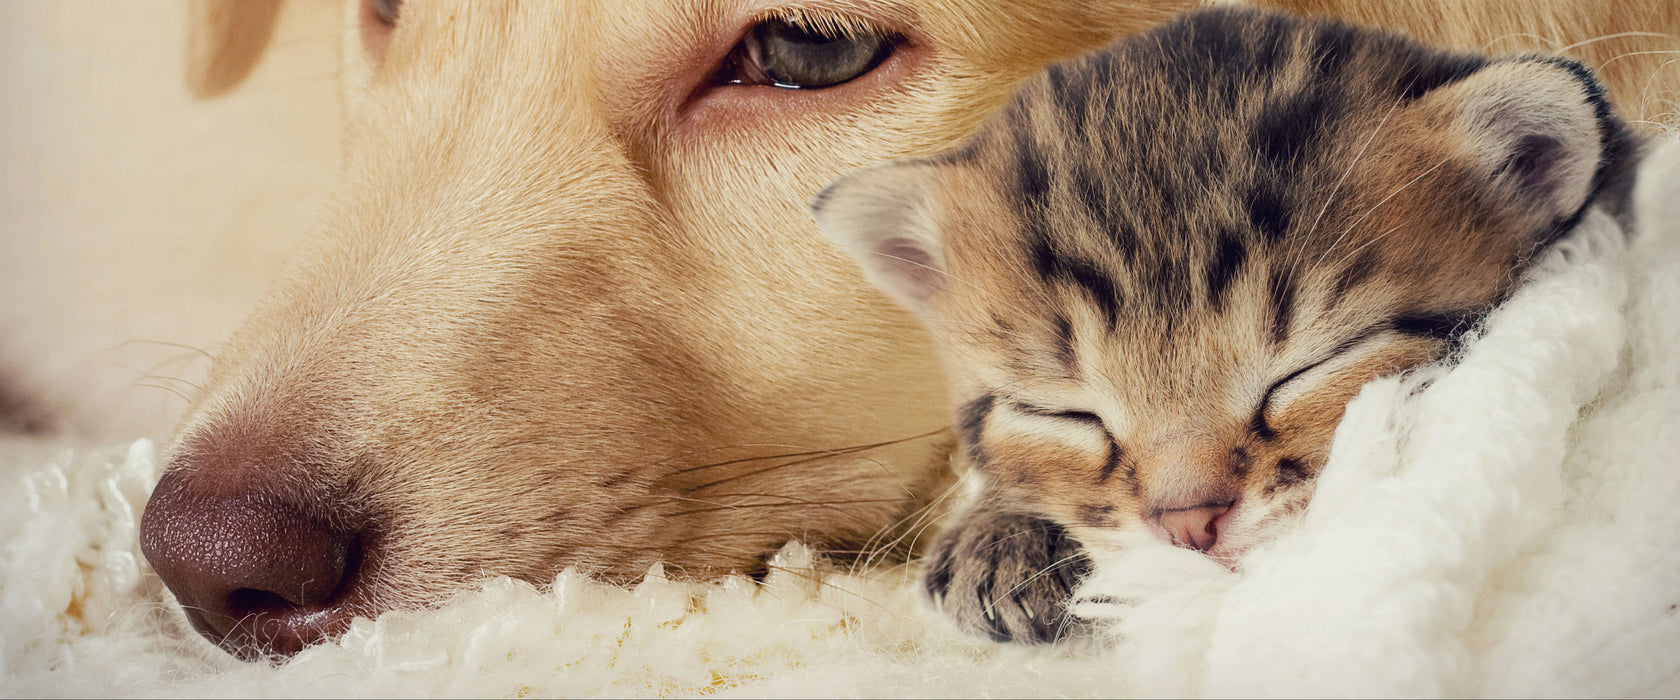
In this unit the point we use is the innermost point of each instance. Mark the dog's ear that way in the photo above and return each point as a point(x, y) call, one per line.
point(1541, 133)
point(887, 219)
point(224, 42)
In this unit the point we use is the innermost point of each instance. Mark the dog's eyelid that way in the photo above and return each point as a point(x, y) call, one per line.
point(884, 18)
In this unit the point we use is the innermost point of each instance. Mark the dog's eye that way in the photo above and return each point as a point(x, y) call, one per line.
point(378, 19)
point(788, 54)
point(385, 10)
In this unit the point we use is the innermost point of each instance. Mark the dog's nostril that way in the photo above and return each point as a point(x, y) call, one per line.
point(256, 574)
point(250, 600)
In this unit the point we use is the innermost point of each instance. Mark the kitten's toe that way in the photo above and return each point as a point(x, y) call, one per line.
point(1007, 576)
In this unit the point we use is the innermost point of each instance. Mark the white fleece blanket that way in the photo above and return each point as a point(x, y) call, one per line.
point(1509, 526)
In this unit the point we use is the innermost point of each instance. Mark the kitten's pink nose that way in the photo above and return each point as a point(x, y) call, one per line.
point(1194, 527)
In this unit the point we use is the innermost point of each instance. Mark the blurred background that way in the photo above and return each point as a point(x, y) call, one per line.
point(139, 224)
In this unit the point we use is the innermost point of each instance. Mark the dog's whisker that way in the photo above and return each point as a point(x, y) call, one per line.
point(838, 451)
point(164, 387)
point(832, 505)
point(201, 352)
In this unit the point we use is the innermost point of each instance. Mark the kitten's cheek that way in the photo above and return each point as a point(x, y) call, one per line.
point(1055, 476)
point(1259, 520)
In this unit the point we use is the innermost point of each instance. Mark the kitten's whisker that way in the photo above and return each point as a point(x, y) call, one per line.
point(821, 580)
point(782, 465)
point(1618, 35)
point(1297, 255)
point(712, 536)
point(1368, 244)
point(987, 611)
point(1550, 42)
point(785, 465)
point(1373, 209)
point(1630, 54)
point(918, 516)
point(166, 378)
point(1645, 92)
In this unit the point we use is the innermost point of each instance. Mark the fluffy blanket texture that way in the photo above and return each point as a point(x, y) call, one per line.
point(1505, 526)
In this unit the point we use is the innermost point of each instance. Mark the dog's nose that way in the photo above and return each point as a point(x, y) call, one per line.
point(1194, 527)
point(255, 573)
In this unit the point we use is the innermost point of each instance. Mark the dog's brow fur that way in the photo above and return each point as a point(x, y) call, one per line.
point(558, 316)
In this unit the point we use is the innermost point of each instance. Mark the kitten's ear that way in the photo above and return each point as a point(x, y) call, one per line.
point(1540, 128)
point(886, 218)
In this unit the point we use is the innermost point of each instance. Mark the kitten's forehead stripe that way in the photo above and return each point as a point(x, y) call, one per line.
point(1228, 256)
point(1065, 349)
point(1033, 176)
point(1268, 212)
point(1057, 267)
point(1106, 212)
point(1199, 58)
point(1281, 290)
point(1286, 133)
point(1363, 266)
point(1334, 48)
point(1072, 103)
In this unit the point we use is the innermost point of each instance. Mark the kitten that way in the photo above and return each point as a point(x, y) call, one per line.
point(1159, 275)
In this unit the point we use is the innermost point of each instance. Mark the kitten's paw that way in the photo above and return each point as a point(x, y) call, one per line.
point(1007, 576)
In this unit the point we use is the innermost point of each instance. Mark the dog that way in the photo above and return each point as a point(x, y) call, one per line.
point(567, 308)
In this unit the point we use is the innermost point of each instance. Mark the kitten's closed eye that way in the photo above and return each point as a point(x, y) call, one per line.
point(1075, 415)
point(1292, 385)
point(1359, 358)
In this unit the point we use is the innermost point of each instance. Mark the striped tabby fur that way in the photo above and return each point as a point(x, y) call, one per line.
point(1159, 275)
